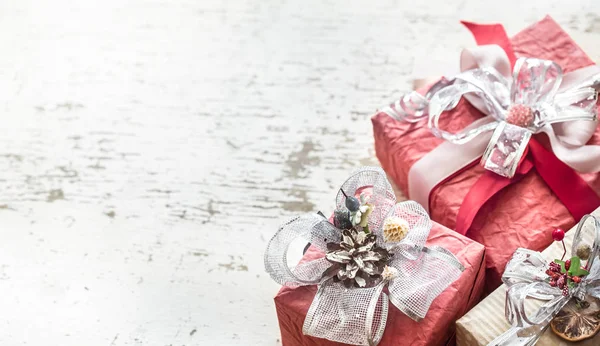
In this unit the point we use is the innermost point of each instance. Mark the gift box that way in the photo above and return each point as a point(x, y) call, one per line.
point(521, 213)
point(487, 320)
point(437, 328)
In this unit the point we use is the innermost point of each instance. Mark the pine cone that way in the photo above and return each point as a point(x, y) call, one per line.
point(357, 260)
point(395, 229)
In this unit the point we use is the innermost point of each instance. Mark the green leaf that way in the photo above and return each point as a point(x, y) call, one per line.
point(575, 266)
point(579, 272)
point(582, 272)
point(571, 283)
point(562, 265)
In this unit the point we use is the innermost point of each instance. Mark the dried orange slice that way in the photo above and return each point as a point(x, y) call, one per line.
point(578, 321)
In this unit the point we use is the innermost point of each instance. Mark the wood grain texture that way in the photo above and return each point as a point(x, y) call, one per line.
point(150, 148)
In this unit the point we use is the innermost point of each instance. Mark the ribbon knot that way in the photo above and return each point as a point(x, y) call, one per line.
point(414, 274)
point(525, 277)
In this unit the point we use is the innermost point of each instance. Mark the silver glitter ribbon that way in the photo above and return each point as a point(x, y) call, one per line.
point(534, 87)
point(561, 105)
point(549, 97)
point(412, 106)
point(525, 277)
point(358, 316)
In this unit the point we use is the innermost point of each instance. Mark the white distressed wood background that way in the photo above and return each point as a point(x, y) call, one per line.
point(150, 148)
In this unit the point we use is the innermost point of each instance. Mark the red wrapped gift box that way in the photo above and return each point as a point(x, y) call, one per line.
point(521, 214)
point(438, 326)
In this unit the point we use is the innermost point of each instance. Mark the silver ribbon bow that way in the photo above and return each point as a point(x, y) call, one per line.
point(538, 97)
point(525, 277)
point(529, 103)
point(358, 315)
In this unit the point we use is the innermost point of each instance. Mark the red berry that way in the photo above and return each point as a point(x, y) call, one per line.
point(576, 279)
point(565, 291)
point(558, 234)
point(560, 282)
point(567, 264)
point(553, 283)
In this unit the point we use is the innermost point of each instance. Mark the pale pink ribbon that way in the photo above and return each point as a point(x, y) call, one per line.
point(568, 139)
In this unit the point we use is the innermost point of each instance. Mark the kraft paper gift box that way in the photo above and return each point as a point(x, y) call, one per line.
point(486, 321)
point(437, 328)
point(521, 213)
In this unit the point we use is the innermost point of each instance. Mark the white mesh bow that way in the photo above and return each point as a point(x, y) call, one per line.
point(358, 315)
point(525, 276)
point(536, 97)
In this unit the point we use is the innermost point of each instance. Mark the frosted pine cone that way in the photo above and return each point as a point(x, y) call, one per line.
point(357, 260)
point(395, 229)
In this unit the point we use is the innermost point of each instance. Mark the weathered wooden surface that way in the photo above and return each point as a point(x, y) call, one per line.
point(149, 149)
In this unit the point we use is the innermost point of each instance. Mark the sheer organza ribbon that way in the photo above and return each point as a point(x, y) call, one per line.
point(525, 278)
point(563, 106)
point(358, 315)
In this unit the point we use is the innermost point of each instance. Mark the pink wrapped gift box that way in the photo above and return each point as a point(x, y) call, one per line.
point(521, 214)
point(438, 326)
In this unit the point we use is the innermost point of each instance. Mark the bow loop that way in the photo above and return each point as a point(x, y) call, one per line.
point(373, 184)
point(419, 224)
point(421, 280)
point(535, 81)
point(307, 228)
point(493, 97)
point(525, 266)
point(445, 100)
point(580, 101)
point(352, 316)
point(524, 307)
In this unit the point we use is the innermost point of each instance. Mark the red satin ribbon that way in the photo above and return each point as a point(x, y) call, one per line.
point(492, 34)
point(577, 196)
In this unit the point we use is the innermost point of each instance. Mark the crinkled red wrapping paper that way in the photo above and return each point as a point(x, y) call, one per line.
point(437, 328)
point(521, 215)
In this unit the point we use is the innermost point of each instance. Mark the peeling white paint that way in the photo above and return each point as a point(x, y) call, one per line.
point(150, 148)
